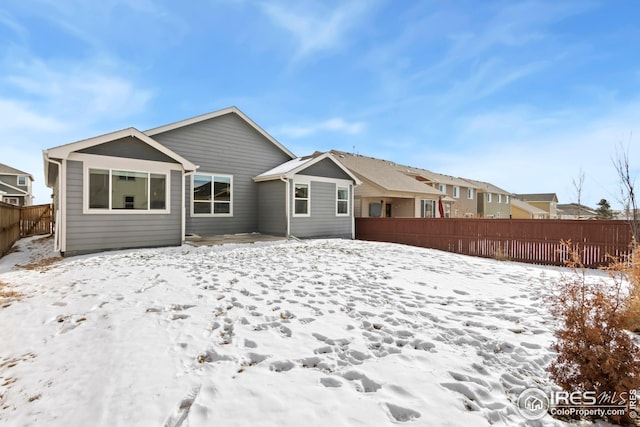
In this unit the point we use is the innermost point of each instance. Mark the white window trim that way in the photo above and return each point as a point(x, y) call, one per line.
point(90, 161)
point(348, 200)
point(24, 178)
point(308, 199)
point(442, 188)
point(470, 193)
point(499, 198)
point(489, 198)
point(456, 192)
point(217, 215)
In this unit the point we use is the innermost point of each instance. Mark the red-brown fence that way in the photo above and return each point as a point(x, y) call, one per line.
point(17, 222)
point(532, 241)
point(9, 226)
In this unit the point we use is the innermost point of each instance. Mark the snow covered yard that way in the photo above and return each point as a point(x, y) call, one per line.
point(314, 333)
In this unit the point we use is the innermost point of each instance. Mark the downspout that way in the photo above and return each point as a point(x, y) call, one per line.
point(59, 228)
point(184, 207)
point(353, 213)
point(287, 202)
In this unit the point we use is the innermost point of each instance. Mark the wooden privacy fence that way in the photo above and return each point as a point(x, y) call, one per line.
point(532, 241)
point(17, 222)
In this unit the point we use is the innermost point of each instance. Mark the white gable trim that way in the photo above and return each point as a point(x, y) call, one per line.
point(64, 151)
point(302, 166)
point(214, 114)
point(20, 192)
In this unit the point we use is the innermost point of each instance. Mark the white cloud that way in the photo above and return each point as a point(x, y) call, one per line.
point(45, 104)
point(528, 151)
point(315, 27)
point(332, 125)
point(18, 116)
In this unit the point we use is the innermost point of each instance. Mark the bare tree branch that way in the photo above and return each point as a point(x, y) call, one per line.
point(627, 189)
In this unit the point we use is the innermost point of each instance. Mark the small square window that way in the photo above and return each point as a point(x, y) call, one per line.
point(22, 181)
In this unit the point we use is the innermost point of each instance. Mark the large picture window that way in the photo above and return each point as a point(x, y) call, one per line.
point(301, 199)
point(212, 195)
point(342, 201)
point(127, 190)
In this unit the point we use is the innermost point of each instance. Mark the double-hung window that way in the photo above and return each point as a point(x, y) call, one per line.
point(469, 193)
point(22, 181)
point(301, 199)
point(488, 197)
point(342, 207)
point(456, 192)
point(212, 195)
point(114, 190)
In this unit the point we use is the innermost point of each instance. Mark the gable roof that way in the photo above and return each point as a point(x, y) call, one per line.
point(292, 167)
point(527, 207)
point(575, 209)
point(435, 177)
point(63, 151)
point(10, 189)
point(487, 187)
point(383, 173)
point(8, 170)
point(214, 114)
point(538, 197)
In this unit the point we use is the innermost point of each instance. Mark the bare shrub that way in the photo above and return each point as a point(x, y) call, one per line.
point(595, 352)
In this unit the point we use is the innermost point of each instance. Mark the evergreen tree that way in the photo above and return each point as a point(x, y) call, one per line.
point(604, 209)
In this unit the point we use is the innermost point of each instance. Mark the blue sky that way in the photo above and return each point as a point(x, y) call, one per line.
point(525, 95)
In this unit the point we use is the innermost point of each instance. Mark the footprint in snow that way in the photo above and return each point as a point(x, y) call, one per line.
point(401, 414)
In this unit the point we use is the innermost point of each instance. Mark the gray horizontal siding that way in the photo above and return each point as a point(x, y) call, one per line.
point(12, 180)
point(129, 147)
point(226, 145)
point(323, 221)
point(272, 216)
point(96, 232)
point(325, 168)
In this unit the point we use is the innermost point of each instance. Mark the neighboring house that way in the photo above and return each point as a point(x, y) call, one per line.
point(575, 211)
point(548, 202)
point(15, 186)
point(461, 194)
point(387, 192)
point(130, 189)
point(492, 201)
point(523, 210)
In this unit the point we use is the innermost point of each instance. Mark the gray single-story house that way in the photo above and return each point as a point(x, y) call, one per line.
point(214, 174)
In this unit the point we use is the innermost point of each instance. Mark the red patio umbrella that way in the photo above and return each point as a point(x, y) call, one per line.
point(440, 208)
